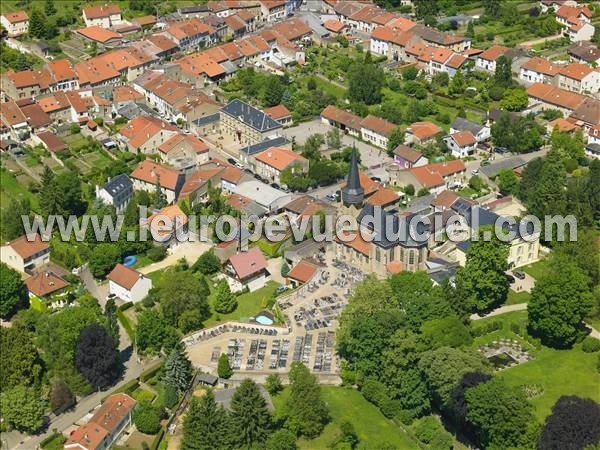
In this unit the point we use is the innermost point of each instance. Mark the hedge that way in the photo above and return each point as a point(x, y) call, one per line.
point(124, 320)
point(149, 373)
point(157, 439)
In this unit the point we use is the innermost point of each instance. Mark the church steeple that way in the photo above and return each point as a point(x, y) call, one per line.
point(353, 194)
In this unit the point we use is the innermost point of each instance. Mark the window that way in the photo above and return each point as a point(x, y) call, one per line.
point(411, 257)
point(377, 255)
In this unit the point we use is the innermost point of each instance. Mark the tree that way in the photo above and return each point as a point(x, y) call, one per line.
point(150, 332)
point(97, 356)
point(110, 311)
point(12, 218)
point(312, 146)
point(273, 383)
point(61, 396)
point(529, 179)
point(550, 195)
point(514, 100)
point(49, 8)
point(250, 418)
point(508, 182)
point(445, 332)
point(103, 258)
point(483, 277)
point(500, 412)
point(22, 408)
point(503, 73)
point(71, 196)
point(573, 424)
point(476, 183)
point(457, 84)
point(470, 29)
point(569, 146)
point(207, 263)
point(146, 418)
point(225, 300)
point(457, 405)
point(179, 292)
point(37, 24)
point(285, 268)
point(445, 366)
point(307, 412)
point(224, 369)
point(273, 91)
point(159, 200)
point(13, 293)
point(424, 8)
point(334, 139)
point(205, 426)
point(178, 370)
point(20, 362)
point(281, 440)
point(365, 81)
point(395, 138)
point(553, 313)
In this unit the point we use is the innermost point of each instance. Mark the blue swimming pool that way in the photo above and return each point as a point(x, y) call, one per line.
point(129, 261)
point(264, 320)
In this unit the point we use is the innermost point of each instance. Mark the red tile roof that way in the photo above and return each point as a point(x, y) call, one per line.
point(278, 112)
point(192, 142)
point(555, 96)
point(334, 25)
point(98, 34)
point(575, 71)
point(16, 16)
point(151, 172)
point(540, 65)
point(45, 283)
point(493, 53)
point(303, 271)
point(338, 115)
point(432, 175)
point(424, 130)
point(51, 141)
point(355, 240)
point(124, 276)
point(395, 267)
point(444, 199)
point(463, 138)
point(379, 125)
point(98, 12)
point(279, 157)
point(248, 263)
point(25, 248)
point(142, 128)
point(383, 197)
point(167, 220)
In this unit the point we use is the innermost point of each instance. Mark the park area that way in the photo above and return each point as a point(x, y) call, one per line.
point(348, 405)
point(551, 373)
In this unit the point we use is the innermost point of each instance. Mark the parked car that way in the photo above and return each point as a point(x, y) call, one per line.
point(281, 288)
point(232, 161)
point(475, 171)
point(520, 275)
point(500, 150)
point(331, 197)
point(510, 278)
point(275, 186)
point(485, 162)
point(239, 166)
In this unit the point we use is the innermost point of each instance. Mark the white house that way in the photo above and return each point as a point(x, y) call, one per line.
point(128, 284)
point(247, 270)
point(481, 132)
point(25, 255)
point(148, 175)
point(15, 23)
point(538, 70)
point(461, 144)
point(272, 10)
point(105, 16)
point(487, 60)
point(376, 130)
point(116, 191)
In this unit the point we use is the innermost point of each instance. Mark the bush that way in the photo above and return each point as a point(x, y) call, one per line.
point(171, 398)
point(488, 328)
point(430, 432)
point(157, 253)
point(146, 418)
point(590, 345)
point(390, 407)
point(374, 391)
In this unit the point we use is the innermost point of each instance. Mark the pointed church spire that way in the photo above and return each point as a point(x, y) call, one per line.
point(353, 193)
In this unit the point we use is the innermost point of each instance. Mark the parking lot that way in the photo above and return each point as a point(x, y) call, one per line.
point(311, 314)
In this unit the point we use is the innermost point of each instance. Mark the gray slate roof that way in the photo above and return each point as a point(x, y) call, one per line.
point(117, 185)
point(278, 141)
point(508, 163)
point(251, 116)
point(462, 124)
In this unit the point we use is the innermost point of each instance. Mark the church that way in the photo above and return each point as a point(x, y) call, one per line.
point(385, 246)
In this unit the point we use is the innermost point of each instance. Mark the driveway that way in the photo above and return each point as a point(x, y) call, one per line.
point(524, 285)
point(188, 250)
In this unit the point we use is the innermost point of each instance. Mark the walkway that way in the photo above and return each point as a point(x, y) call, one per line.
point(520, 307)
point(191, 251)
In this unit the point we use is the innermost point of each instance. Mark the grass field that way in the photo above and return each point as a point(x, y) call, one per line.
point(558, 372)
point(249, 304)
point(347, 404)
point(515, 298)
point(537, 269)
point(10, 188)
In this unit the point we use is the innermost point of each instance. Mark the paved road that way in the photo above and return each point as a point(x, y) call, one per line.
point(500, 310)
point(132, 369)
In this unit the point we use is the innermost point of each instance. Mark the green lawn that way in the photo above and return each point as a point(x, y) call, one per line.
point(10, 188)
point(537, 269)
point(347, 404)
point(54, 442)
point(268, 248)
point(558, 372)
point(37, 304)
point(515, 298)
point(141, 395)
point(249, 304)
